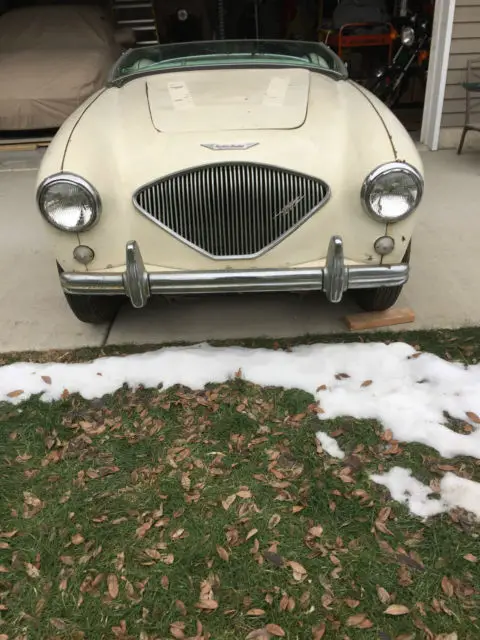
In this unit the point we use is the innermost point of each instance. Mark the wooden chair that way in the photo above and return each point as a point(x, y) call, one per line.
point(472, 110)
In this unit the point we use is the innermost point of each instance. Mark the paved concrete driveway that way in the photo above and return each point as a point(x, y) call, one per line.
point(444, 289)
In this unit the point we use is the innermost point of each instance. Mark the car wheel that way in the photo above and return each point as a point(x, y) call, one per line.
point(94, 309)
point(381, 298)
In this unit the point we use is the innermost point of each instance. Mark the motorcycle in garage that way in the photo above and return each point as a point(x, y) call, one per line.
point(410, 61)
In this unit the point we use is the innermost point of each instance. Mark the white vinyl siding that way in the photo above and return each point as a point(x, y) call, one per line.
point(465, 45)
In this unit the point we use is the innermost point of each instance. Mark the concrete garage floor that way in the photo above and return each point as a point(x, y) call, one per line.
point(444, 289)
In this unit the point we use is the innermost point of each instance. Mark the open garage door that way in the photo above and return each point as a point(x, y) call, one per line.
point(374, 37)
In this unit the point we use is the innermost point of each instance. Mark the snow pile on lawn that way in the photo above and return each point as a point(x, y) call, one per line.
point(454, 492)
point(406, 391)
point(330, 445)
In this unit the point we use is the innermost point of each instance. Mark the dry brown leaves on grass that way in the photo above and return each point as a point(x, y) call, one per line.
point(223, 553)
point(267, 632)
point(77, 539)
point(295, 598)
point(382, 517)
point(32, 570)
point(397, 610)
point(112, 582)
point(359, 621)
point(470, 557)
point(299, 572)
point(8, 534)
point(227, 503)
point(319, 631)
point(275, 630)
point(31, 505)
point(316, 531)
point(447, 587)
point(207, 600)
point(383, 595)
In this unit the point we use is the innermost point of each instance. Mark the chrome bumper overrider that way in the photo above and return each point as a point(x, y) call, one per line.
point(138, 284)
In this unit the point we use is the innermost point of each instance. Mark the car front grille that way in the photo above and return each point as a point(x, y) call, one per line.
point(235, 210)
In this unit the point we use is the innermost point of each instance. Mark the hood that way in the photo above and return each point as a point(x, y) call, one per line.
point(226, 100)
point(341, 137)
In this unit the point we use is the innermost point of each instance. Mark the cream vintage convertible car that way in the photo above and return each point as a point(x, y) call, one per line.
point(230, 166)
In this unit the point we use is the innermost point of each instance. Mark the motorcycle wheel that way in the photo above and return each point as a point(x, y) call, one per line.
point(382, 89)
point(394, 98)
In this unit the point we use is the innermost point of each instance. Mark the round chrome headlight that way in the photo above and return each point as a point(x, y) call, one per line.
point(68, 202)
point(408, 36)
point(392, 192)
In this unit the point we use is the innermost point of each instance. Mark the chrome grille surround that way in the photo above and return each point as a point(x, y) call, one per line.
point(232, 210)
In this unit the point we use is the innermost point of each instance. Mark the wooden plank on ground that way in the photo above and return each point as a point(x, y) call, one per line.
point(376, 319)
point(18, 147)
point(24, 144)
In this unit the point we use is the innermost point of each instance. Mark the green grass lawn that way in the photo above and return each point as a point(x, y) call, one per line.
point(214, 514)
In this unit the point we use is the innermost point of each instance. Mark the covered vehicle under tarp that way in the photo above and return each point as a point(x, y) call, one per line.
point(51, 59)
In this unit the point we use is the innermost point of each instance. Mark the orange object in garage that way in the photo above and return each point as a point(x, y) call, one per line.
point(346, 38)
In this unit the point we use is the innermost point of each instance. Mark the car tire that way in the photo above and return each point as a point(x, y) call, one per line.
point(94, 309)
point(381, 298)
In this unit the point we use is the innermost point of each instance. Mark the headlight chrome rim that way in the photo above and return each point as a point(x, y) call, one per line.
point(78, 181)
point(386, 169)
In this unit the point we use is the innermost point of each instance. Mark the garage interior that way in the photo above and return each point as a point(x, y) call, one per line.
point(29, 111)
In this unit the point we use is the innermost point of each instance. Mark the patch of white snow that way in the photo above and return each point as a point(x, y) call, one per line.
point(410, 492)
point(460, 492)
point(406, 394)
point(454, 492)
point(330, 445)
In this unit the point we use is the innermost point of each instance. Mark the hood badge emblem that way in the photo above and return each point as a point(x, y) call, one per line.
point(290, 206)
point(240, 146)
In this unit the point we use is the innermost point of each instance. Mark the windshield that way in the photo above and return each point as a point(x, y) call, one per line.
point(224, 53)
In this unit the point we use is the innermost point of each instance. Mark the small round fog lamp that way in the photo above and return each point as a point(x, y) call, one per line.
point(384, 245)
point(83, 254)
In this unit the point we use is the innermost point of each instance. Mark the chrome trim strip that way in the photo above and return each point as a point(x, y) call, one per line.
point(137, 284)
point(224, 183)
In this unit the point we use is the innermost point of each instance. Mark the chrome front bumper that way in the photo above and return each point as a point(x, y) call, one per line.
point(138, 284)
